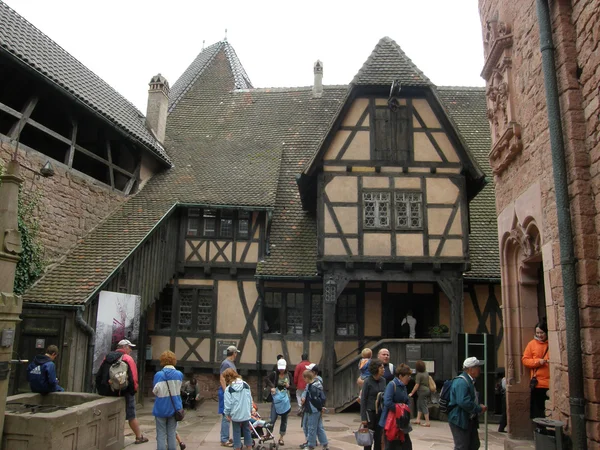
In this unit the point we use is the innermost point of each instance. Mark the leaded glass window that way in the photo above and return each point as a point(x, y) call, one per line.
point(295, 303)
point(347, 317)
point(243, 225)
point(186, 306)
point(165, 312)
point(409, 210)
point(204, 310)
point(210, 222)
point(376, 210)
point(226, 227)
point(193, 224)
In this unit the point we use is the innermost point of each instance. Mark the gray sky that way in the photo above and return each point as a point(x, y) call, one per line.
point(127, 42)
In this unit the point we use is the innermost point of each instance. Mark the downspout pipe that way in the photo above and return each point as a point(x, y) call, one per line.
point(565, 233)
point(91, 334)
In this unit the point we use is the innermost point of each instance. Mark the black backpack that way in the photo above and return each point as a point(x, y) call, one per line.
point(316, 397)
point(445, 395)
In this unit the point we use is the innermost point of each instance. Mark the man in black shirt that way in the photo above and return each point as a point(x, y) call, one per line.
point(384, 356)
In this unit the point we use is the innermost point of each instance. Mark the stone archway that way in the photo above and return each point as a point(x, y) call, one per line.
point(521, 259)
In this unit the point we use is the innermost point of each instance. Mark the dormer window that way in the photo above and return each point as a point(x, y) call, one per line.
point(218, 223)
point(390, 132)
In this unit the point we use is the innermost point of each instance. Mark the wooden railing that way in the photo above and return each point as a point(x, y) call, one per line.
point(345, 390)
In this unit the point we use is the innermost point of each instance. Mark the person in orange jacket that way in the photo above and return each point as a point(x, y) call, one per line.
point(536, 359)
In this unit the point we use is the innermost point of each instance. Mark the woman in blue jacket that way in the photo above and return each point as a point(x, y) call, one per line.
point(238, 408)
point(395, 392)
point(167, 388)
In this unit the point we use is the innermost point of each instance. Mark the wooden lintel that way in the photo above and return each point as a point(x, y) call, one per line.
point(133, 179)
point(69, 158)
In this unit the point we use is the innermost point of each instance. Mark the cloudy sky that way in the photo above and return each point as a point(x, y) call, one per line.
point(126, 42)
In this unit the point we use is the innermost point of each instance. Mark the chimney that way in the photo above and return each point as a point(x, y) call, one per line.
point(158, 103)
point(318, 86)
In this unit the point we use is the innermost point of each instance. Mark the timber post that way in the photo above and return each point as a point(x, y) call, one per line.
point(330, 296)
point(11, 304)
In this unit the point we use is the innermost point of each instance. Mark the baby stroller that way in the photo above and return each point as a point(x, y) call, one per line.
point(260, 438)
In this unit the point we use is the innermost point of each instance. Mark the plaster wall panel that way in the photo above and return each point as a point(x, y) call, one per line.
point(189, 251)
point(376, 182)
point(437, 218)
point(181, 348)
point(453, 170)
point(159, 345)
point(452, 247)
point(334, 168)
point(397, 288)
point(204, 349)
point(334, 247)
point(344, 351)
point(257, 232)
point(248, 355)
point(347, 217)
point(227, 251)
point(251, 255)
point(391, 169)
point(426, 113)
point(229, 307)
point(377, 244)
point(441, 190)
point(446, 146)
point(356, 110)
point(407, 183)
point(418, 170)
point(456, 227)
point(424, 149)
point(295, 350)
point(359, 147)
point(194, 282)
point(353, 244)
point(315, 351)
point(342, 189)
point(372, 313)
point(337, 143)
point(328, 224)
point(409, 244)
point(271, 348)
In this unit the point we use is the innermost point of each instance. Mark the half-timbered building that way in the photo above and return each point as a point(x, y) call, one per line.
point(295, 220)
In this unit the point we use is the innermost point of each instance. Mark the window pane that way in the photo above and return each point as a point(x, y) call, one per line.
point(409, 212)
point(226, 230)
point(295, 303)
point(316, 313)
point(193, 223)
point(210, 222)
point(243, 231)
point(272, 312)
point(347, 316)
point(204, 310)
point(186, 302)
point(376, 210)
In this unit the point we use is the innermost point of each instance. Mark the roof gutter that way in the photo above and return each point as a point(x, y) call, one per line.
point(219, 206)
point(287, 278)
point(118, 267)
point(565, 232)
point(48, 305)
point(87, 107)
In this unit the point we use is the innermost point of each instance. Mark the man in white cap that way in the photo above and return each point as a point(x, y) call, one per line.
point(228, 363)
point(464, 407)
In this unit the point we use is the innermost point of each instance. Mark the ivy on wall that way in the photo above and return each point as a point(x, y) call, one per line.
point(31, 265)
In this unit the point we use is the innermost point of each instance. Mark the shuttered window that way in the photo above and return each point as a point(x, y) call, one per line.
point(390, 128)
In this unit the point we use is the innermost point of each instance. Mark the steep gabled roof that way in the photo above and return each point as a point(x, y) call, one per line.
point(195, 69)
point(387, 63)
point(467, 107)
point(23, 41)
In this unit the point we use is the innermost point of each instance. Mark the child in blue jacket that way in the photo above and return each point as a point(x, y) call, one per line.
point(41, 372)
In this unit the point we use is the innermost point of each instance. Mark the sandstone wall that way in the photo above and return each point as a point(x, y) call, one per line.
point(576, 34)
point(71, 202)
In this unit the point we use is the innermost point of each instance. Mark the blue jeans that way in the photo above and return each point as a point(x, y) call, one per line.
point(284, 418)
point(166, 430)
point(224, 429)
point(315, 430)
point(239, 429)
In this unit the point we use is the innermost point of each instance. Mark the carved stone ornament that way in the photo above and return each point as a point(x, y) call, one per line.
point(12, 242)
point(530, 246)
point(506, 148)
point(498, 37)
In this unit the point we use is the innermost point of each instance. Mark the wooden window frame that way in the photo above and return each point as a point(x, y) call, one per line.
point(408, 227)
point(220, 214)
point(339, 314)
point(393, 211)
point(377, 226)
point(168, 298)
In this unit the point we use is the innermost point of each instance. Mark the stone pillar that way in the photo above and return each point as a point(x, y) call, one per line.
point(158, 105)
point(11, 305)
point(318, 84)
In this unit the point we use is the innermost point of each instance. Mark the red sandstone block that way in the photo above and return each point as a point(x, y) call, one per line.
point(590, 339)
point(592, 389)
point(587, 271)
point(591, 365)
point(589, 296)
point(592, 427)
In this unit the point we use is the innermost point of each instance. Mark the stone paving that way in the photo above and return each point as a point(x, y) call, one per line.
point(201, 428)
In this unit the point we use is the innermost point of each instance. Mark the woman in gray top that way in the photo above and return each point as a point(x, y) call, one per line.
point(423, 392)
point(369, 412)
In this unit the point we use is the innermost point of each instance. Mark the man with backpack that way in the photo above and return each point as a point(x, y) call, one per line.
point(463, 407)
point(41, 372)
point(117, 377)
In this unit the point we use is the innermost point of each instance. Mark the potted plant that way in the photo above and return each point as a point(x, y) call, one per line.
point(439, 331)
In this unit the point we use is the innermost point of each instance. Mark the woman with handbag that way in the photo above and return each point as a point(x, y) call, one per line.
point(396, 394)
point(536, 358)
point(238, 408)
point(167, 406)
point(422, 390)
point(370, 412)
point(280, 382)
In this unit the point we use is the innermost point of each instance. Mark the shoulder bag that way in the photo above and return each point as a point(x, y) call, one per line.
point(179, 413)
point(534, 381)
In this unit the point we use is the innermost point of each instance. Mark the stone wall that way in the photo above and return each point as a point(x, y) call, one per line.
point(576, 35)
point(71, 203)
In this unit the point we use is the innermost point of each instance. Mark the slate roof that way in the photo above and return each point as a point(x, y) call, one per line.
point(25, 42)
point(195, 69)
point(388, 62)
point(467, 107)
